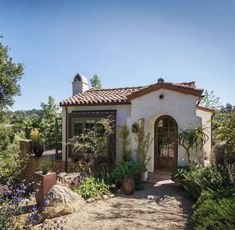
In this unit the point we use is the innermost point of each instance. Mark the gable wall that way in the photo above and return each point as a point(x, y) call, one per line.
point(181, 107)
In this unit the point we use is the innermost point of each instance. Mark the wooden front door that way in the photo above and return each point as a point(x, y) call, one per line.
point(165, 143)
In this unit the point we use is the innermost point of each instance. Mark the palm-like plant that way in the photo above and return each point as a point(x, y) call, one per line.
point(192, 139)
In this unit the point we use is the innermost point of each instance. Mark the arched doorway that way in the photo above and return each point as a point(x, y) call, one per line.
point(165, 143)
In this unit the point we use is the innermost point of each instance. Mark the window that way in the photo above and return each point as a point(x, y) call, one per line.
point(81, 121)
point(80, 125)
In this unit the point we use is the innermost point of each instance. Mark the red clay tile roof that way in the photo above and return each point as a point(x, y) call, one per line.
point(101, 96)
point(125, 95)
point(186, 88)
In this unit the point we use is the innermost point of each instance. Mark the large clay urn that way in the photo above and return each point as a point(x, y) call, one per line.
point(128, 185)
point(43, 183)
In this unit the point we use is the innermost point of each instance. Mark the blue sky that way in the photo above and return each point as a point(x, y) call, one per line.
point(127, 43)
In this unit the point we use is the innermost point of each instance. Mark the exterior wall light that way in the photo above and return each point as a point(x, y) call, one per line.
point(161, 96)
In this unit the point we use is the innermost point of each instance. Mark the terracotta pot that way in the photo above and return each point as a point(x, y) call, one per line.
point(43, 183)
point(128, 185)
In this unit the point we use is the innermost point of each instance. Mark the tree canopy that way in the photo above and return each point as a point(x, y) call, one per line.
point(10, 74)
point(210, 100)
point(96, 82)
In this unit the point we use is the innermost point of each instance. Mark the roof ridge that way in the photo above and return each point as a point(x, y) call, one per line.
point(106, 89)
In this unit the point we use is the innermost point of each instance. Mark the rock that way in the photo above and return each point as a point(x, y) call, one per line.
point(218, 153)
point(105, 197)
point(151, 197)
point(98, 197)
point(62, 201)
point(111, 195)
point(70, 180)
point(90, 200)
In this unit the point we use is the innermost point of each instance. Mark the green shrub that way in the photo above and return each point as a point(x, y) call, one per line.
point(212, 213)
point(190, 180)
point(92, 187)
point(218, 177)
point(127, 168)
point(214, 190)
point(194, 181)
point(10, 163)
point(7, 136)
point(226, 132)
point(178, 173)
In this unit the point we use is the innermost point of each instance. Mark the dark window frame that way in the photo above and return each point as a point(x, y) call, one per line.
point(89, 115)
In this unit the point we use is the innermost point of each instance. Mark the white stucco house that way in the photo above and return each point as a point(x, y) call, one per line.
point(163, 107)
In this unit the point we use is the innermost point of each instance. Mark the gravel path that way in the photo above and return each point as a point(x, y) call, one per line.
point(159, 206)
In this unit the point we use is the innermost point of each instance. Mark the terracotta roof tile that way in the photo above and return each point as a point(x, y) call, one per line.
point(125, 95)
point(102, 96)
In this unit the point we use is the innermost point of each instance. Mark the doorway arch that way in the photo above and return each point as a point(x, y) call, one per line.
point(165, 143)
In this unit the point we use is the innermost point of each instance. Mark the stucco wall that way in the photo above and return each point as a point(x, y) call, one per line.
point(179, 106)
point(206, 124)
point(123, 111)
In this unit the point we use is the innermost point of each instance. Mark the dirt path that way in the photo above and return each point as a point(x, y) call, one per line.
point(159, 206)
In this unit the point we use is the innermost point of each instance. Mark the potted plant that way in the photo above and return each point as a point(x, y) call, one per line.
point(44, 180)
point(37, 144)
point(128, 185)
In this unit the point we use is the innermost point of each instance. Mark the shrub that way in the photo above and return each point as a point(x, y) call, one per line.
point(218, 177)
point(93, 141)
point(214, 190)
point(35, 136)
point(7, 136)
point(12, 203)
point(194, 181)
point(127, 168)
point(190, 180)
point(92, 187)
point(226, 132)
point(210, 213)
point(10, 163)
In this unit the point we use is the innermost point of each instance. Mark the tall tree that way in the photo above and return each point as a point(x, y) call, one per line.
point(210, 100)
point(49, 129)
point(10, 74)
point(96, 82)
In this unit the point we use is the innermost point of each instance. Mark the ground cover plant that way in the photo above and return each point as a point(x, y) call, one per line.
point(213, 190)
point(92, 187)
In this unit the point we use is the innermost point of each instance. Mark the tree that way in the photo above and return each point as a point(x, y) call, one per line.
point(10, 74)
point(226, 132)
point(50, 113)
point(45, 120)
point(210, 100)
point(96, 82)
